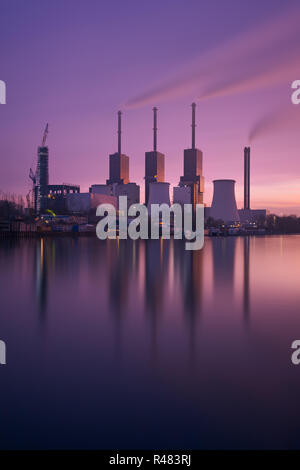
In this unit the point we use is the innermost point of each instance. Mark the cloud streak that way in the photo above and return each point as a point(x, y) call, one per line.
point(264, 56)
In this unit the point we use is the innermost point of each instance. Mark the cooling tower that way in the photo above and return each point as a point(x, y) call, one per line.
point(224, 204)
point(158, 194)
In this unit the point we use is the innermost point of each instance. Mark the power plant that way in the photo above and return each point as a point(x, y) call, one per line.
point(63, 198)
point(44, 196)
point(191, 186)
point(224, 206)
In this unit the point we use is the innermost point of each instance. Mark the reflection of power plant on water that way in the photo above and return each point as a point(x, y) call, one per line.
point(170, 276)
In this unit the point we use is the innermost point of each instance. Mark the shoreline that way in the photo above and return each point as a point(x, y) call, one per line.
point(23, 235)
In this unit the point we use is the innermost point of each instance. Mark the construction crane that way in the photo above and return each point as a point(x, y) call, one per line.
point(45, 135)
point(32, 176)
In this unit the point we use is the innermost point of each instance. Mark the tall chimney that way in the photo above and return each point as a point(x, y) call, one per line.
point(247, 178)
point(154, 129)
point(193, 124)
point(248, 181)
point(119, 132)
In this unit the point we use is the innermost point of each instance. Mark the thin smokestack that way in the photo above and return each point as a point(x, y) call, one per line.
point(193, 124)
point(154, 129)
point(248, 182)
point(119, 131)
point(247, 178)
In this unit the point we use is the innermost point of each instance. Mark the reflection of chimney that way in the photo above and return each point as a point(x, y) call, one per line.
point(247, 178)
point(246, 294)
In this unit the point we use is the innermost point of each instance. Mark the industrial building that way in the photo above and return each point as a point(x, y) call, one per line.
point(57, 196)
point(42, 176)
point(118, 162)
point(83, 203)
point(224, 204)
point(192, 173)
point(65, 197)
point(182, 195)
point(118, 183)
point(131, 190)
point(154, 162)
point(44, 195)
point(246, 178)
point(42, 179)
point(101, 189)
point(248, 215)
point(159, 193)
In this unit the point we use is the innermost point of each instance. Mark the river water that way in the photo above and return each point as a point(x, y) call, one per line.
point(122, 344)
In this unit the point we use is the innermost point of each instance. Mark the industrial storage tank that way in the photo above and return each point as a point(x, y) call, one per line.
point(224, 204)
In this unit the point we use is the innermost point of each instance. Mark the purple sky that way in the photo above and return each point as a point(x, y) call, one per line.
point(74, 63)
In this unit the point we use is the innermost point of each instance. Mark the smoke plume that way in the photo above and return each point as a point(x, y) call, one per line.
point(285, 118)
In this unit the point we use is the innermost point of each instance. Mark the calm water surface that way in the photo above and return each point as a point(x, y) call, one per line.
point(146, 345)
